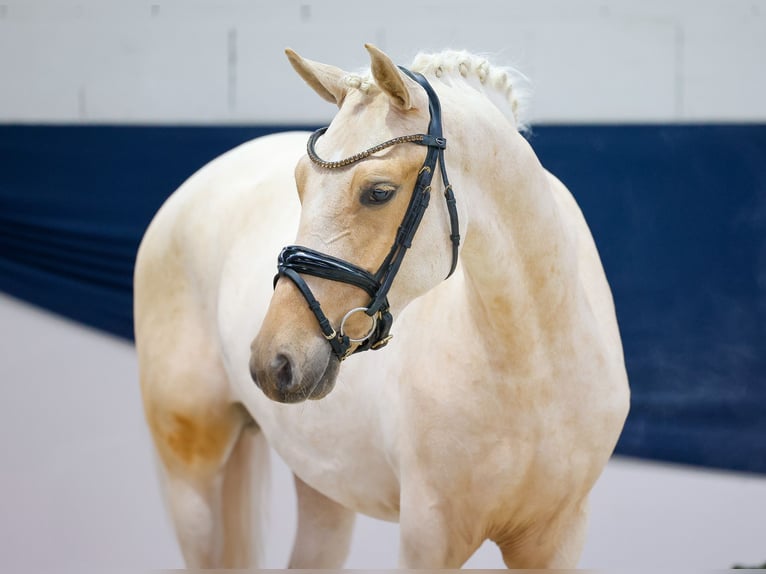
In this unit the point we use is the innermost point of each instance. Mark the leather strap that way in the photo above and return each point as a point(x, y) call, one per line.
point(435, 130)
point(310, 262)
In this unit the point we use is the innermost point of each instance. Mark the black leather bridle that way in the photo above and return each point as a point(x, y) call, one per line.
point(295, 260)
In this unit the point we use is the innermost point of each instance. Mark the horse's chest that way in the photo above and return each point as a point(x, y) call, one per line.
point(342, 446)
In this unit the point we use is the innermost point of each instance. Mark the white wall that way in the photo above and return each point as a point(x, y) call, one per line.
point(222, 61)
point(78, 489)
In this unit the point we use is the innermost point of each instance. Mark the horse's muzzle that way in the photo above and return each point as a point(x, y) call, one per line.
point(285, 379)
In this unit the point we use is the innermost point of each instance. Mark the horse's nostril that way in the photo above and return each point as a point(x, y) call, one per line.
point(282, 371)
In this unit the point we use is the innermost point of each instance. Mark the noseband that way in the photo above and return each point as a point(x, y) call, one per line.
point(295, 260)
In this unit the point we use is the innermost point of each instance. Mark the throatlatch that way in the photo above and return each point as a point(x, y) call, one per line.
point(295, 260)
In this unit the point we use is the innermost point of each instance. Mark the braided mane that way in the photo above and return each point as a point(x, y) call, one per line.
point(506, 87)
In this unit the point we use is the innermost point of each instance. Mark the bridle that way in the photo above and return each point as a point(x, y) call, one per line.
point(295, 260)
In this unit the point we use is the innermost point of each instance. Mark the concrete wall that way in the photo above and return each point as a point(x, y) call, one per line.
point(222, 61)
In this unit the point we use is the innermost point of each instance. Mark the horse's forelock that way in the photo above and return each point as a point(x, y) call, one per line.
point(362, 82)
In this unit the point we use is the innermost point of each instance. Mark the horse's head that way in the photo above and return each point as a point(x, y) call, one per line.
point(345, 278)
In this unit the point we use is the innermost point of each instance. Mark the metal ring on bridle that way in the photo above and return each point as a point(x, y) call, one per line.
point(356, 310)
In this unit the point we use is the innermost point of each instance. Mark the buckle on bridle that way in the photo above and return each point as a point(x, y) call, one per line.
point(331, 336)
point(381, 343)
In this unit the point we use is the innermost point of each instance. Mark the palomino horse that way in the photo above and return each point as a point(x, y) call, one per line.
point(496, 405)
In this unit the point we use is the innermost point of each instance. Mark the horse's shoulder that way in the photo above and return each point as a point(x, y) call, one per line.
point(245, 188)
point(233, 183)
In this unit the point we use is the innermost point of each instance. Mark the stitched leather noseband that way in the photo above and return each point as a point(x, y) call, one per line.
point(295, 260)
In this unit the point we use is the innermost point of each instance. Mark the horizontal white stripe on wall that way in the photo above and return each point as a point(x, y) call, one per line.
point(181, 61)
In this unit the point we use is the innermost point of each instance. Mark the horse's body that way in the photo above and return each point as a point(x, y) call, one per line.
point(489, 415)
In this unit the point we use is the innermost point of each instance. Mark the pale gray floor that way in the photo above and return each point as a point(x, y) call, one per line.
point(79, 488)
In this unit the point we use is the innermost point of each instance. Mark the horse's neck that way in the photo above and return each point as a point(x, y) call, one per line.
point(519, 258)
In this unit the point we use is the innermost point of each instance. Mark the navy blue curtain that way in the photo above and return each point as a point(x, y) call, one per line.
point(678, 213)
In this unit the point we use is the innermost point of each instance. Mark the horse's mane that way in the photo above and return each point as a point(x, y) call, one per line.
point(507, 88)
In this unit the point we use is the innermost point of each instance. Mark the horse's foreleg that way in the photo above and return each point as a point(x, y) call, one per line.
point(205, 443)
point(206, 467)
point(434, 532)
point(554, 545)
point(324, 530)
point(245, 473)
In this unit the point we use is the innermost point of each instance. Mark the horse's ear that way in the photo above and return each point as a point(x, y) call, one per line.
point(327, 81)
point(390, 79)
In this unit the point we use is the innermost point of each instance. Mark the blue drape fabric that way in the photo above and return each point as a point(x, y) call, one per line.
point(678, 213)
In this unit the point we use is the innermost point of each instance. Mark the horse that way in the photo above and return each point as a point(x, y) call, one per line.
point(453, 365)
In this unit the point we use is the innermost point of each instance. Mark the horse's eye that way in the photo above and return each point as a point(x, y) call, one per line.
point(378, 194)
